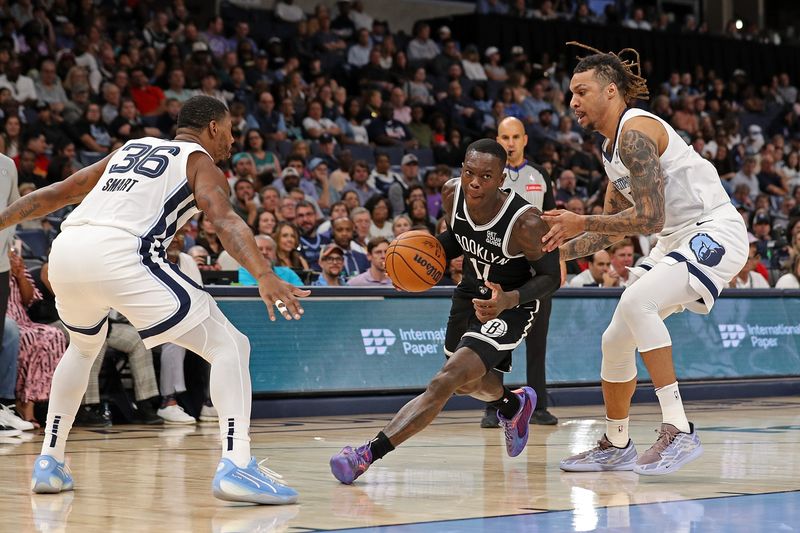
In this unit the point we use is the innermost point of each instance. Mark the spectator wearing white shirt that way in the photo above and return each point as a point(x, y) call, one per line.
point(422, 48)
point(22, 88)
point(472, 64)
point(790, 280)
point(597, 275)
point(637, 21)
point(747, 176)
point(748, 278)
point(360, 19)
point(287, 12)
point(315, 125)
point(358, 55)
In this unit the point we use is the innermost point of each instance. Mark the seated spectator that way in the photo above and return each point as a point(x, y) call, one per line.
point(637, 20)
point(243, 202)
point(9, 353)
point(315, 124)
point(176, 86)
point(149, 99)
point(376, 274)
point(747, 278)
point(266, 245)
point(621, 258)
point(92, 135)
point(418, 213)
point(790, 280)
point(331, 260)
point(361, 223)
point(265, 222)
point(418, 90)
point(402, 112)
point(35, 148)
point(421, 49)
point(409, 177)
point(386, 131)
point(598, 274)
point(742, 197)
point(769, 181)
point(451, 154)
point(287, 239)
point(338, 210)
point(381, 218)
point(419, 128)
point(355, 262)
point(208, 239)
point(400, 225)
point(22, 87)
point(40, 345)
point(351, 199)
point(167, 122)
point(287, 210)
point(317, 187)
point(360, 183)
point(471, 63)
point(128, 124)
point(203, 259)
point(358, 54)
point(491, 7)
point(382, 177)
point(11, 137)
point(568, 188)
point(576, 205)
point(311, 242)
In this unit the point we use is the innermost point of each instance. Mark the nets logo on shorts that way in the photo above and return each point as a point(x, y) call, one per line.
point(732, 335)
point(494, 328)
point(377, 341)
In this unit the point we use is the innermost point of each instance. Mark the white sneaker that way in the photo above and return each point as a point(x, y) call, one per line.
point(174, 414)
point(8, 431)
point(208, 414)
point(10, 418)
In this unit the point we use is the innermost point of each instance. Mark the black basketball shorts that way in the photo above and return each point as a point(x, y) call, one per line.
point(493, 341)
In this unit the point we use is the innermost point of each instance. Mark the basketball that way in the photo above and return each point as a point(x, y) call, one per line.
point(415, 261)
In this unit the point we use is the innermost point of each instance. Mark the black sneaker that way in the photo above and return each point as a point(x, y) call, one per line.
point(543, 417)
point(146, 414)
point(91, 416)
point(490, 419)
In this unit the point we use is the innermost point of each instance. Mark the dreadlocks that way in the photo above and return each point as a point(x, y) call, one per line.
point(611, 68)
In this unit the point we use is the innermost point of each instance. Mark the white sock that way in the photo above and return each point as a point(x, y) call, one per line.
point(235, 440)
point(672, 407)
point(617, 431)
point(55, 435)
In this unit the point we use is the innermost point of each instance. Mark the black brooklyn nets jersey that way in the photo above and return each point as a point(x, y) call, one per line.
point(486, 256)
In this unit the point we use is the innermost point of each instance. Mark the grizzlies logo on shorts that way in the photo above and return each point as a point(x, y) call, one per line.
point(707, 251)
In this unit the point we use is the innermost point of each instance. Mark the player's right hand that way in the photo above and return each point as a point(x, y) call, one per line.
point(274, 291)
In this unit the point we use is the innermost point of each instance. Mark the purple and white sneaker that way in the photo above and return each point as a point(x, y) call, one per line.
point(672, 450)
point(604, 457)
point(516, 428)
point(349, 464)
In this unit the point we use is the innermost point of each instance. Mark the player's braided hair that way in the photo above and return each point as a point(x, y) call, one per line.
point(626, 74)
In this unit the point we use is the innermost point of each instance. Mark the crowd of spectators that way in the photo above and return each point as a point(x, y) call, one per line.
point(345, 133)
point(349, 118)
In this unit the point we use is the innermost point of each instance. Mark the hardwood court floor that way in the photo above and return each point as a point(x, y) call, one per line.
point(452, 477)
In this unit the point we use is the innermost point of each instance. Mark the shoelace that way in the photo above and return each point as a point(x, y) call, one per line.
point(274, 476)
point(9, 411)
point(662, 442)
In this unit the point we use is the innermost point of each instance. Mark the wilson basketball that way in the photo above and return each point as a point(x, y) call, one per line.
point(415, 261)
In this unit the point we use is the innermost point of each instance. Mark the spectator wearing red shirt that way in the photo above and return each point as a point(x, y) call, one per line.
point(149, 99)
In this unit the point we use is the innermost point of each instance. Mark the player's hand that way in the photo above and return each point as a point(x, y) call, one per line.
point(487, 310)
point(276, 292)
point(563, 226)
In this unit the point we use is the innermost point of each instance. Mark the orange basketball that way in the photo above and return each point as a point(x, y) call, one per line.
point(415, 261)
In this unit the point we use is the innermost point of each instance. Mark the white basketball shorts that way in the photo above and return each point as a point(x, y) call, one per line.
point(97, 268)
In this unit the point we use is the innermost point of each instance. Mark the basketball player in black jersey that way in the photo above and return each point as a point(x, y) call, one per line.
point(499, 235)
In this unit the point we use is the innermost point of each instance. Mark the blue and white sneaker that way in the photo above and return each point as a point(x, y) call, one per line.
point(254, 484)
point(50, 476)
point(604, 457)
point(672, 450)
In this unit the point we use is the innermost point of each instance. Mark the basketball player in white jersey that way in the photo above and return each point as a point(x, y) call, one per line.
point(657, 185)
point(111, 253)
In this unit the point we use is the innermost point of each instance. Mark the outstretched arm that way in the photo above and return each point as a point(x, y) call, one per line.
point(639, 151)
point(639, 154)
point(211, 194)
point(44, 201)
point(589, 243)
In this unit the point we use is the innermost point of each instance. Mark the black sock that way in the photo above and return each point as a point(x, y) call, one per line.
point(380, 446)
point(507, 404)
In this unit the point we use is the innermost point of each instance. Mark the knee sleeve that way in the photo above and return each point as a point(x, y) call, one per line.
point(619, 352)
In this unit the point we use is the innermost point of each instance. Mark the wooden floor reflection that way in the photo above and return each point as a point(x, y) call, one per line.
point(136, 478)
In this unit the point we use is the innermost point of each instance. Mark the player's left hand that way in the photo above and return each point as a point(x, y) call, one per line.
point(487, 310)
point(563, 226)
point(284, 296)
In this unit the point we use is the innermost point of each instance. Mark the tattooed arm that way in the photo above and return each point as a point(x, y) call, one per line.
point(44, 201)
point(639, 153)
point(211, 192)
point(589, 243)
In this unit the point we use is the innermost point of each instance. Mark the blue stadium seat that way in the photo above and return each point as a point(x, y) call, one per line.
point(425, 156)
point(395, 153)
point(361, 151)
point(35, 243)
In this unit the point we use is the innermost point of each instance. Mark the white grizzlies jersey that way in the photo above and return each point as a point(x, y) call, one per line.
point(692, 186)
point(144, 191)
